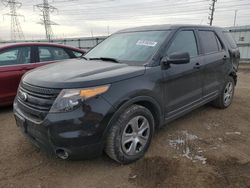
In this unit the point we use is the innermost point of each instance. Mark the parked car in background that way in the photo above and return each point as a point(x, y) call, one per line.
point(134, 82)
point(18, 58)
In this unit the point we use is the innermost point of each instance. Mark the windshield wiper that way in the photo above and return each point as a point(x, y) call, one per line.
point(105, 59)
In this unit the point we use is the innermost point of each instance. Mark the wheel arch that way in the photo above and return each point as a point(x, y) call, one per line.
point(234, 76)
point(148, 102)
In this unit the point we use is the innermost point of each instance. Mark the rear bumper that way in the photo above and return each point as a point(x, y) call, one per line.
point(79, 133)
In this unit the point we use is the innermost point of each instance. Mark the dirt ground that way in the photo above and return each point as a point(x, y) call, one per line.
point(206, 148)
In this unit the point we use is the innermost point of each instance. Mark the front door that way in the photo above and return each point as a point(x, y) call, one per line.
point(183, 82)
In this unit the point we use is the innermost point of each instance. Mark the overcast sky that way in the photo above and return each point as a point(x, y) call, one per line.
point(82, 18)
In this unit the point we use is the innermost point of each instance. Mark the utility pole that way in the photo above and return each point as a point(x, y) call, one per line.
point(46, 9)
point(235, 16)
point(211, 14)
point(16, 30)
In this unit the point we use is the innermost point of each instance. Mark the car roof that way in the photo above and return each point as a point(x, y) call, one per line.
point(165, 27)
point(20, 44)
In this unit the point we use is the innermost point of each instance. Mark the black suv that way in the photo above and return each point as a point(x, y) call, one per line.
point(135, 81)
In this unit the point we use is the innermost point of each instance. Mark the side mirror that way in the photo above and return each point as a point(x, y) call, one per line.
point(176, 58)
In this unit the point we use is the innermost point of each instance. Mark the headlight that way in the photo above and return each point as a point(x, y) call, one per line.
point(70, 99)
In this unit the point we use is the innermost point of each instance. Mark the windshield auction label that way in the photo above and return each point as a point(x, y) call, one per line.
point(146, 43)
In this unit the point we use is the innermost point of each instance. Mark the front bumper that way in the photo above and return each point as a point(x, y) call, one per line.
point(79, 133)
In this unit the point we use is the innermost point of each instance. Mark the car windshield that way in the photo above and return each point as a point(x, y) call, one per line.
point(135, 47)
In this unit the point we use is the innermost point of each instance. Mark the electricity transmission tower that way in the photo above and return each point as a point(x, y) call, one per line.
point(211, 14)
point(46, 9)
point(16, 30)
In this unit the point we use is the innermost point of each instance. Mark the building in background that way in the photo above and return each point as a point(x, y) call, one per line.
point(241, 35)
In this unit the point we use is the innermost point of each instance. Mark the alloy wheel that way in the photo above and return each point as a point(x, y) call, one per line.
point(228, 93)
point(135, 135)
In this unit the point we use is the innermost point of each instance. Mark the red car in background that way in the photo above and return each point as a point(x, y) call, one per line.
point(18, 58)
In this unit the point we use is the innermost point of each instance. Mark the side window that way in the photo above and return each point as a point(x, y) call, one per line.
point(184, 42)
point(77, 54)
point(230, 39)
point(45, 54)
point(60, 53)
point(15, 56)
point(219, 44)
point(210, 42)
point(52, 53)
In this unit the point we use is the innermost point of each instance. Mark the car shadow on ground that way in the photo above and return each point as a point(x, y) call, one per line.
point(4, 109)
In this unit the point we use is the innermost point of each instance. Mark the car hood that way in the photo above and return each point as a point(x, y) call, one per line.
point(79, 73)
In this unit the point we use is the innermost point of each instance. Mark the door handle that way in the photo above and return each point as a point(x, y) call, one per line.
point(197, 66)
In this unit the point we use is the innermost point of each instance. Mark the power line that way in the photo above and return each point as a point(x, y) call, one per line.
point(151, 9)
point(139, 6)
point(100, 13)
point(46, 9)
point(147, 13)
point(106, 17)
point(16, 30)
point(122, 9)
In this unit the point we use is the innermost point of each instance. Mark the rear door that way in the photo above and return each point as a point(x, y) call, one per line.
point(183, 83)
point(50, 54)
point(215, 58)
point(46, 54)
point(13, 64)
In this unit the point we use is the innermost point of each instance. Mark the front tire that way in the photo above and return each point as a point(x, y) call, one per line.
point(130, 136)
point(226, 96)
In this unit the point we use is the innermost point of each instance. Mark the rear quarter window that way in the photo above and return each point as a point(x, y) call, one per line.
point(77, 54)
point(230, 39)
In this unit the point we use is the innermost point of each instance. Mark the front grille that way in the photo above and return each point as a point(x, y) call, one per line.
point(36, 101)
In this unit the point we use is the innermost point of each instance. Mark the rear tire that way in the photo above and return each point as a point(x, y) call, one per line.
point(130, 136)
point(226, 96)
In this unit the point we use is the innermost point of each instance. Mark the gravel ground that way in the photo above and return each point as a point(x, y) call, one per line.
point(206, 148)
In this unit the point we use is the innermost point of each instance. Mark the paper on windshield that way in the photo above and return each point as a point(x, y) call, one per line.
point(146, 43)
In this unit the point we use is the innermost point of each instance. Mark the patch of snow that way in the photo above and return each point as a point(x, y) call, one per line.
point(189, 136)
point(133, 177)
point(182, 144)
point(187, 153)
point(176, 142)
point(231, 133)
point(200, 158)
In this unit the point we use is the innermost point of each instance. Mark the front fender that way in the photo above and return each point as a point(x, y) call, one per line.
point(140, 100)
